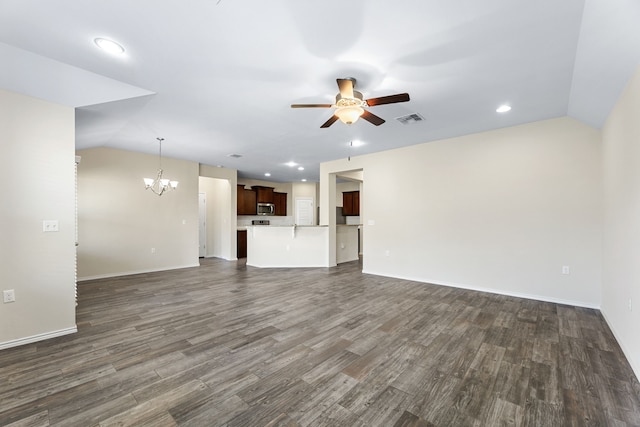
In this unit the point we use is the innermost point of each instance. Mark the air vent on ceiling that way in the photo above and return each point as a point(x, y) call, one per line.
point(410, 118)
point(235, 156)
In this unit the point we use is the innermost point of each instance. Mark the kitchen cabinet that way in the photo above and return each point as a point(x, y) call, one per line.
point(265, 194)
point(242, 244)
point(351, 203)
point(247, 201)
point(280, 200)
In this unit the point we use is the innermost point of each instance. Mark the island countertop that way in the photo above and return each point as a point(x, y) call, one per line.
point(300, 245)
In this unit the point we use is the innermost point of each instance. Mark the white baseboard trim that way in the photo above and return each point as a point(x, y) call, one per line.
point(36, 338)
point(221, 257)
point(131, 273)
point(495, 291)
point(627, 354)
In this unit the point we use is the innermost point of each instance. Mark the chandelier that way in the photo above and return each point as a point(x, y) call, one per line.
point(159, 185)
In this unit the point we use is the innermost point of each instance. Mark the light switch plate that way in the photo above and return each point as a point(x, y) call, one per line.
point(9, 295)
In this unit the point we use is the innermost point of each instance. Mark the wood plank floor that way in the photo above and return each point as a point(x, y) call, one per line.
point(226, 344)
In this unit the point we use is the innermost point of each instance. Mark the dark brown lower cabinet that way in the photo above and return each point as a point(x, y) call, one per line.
point(242, 244)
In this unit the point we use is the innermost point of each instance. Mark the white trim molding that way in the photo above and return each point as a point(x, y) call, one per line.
point(131, 273)
point(39, 337)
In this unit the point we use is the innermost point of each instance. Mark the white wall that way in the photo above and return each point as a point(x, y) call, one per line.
point(218, 193)
point(346, 243)
point(120, 222)
point(287, 247)
point(621, 261)
point(500, 211)
point(37, 172)
point(229, 238)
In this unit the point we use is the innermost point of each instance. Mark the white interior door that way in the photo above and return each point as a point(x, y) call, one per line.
point(202, 214)
point(304, 211)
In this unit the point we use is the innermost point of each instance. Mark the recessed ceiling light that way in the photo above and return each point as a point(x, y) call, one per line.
point(356, 143)
point(267, 174)
point(303, 180)
point(300, 168)
point(503, 108)
point(109, 46)
point(291, 164)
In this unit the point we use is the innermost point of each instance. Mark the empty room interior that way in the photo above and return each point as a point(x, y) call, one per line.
point(222, 213)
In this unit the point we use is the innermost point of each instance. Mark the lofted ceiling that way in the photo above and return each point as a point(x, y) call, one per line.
point(217, 77)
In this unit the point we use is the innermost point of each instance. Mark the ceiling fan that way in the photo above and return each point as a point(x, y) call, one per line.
point(349, 104)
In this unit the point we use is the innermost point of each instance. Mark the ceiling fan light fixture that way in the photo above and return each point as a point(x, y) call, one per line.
point(350, 114)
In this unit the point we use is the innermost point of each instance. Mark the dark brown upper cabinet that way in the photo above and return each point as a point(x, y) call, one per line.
point(247, 201)
point(351, 203)
point(265, 194)
point(280, 200)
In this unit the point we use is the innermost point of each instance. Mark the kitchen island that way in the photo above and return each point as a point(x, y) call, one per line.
point(298, 246)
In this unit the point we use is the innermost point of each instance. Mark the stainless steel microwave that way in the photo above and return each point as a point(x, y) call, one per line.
point(266, 209)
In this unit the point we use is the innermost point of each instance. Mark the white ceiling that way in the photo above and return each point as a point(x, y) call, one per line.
point(217, 77)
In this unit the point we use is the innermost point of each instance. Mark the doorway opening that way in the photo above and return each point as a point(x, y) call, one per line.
point(349, 206)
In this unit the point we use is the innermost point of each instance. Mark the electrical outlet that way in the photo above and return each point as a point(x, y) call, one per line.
point(9, 295)
point(153, 250)
point(566, 269)
point(50, 225)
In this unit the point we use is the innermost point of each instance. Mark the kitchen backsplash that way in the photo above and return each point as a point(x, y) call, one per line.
point(245, 220)
point(353, 220)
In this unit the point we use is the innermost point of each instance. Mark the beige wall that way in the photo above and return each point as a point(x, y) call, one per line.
point(500, 211)
point(37, 172)
point(120, 222)
point(621, 266)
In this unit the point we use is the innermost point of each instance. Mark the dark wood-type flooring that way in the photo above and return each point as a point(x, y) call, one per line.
point(226, 344)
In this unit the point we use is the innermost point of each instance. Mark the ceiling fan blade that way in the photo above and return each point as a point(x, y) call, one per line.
point(329, 122)
point(372, 118)
point(311, 105)
point(391, 99)
point(346, 87)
